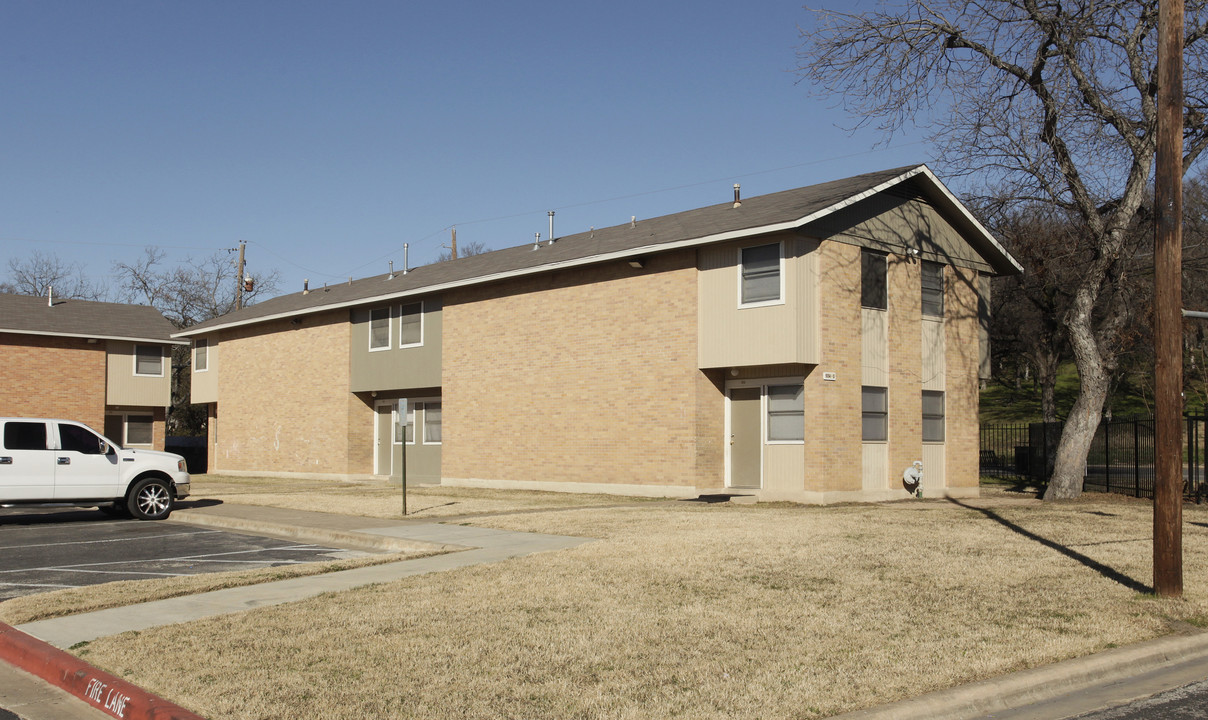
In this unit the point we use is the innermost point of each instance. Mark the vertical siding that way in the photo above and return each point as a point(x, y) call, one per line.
point(783, 468)
point(875, 463)
point(397, 368)
point(874, 347)
point(933, 465)
point(123, 387)
point(204, 385)
point(766, 335)
point(934, 365)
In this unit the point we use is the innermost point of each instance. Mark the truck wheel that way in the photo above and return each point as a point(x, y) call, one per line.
point(150, 499)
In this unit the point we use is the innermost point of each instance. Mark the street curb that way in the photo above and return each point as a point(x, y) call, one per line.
point(107, 693)
point(321, 536)
point(1039, 684)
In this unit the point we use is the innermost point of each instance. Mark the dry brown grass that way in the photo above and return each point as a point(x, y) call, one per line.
point(381, 498)
point(58, 603)
point(694, 611)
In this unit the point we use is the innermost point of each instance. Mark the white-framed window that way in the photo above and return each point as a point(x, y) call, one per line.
point(933, 288)
point(933, 416)
point(785, 406)
point(874, 413)
point(761, 275)
point(149, 360)
point(201, 355)
point(432, 422)
point(411, 325)
point(379, 329)
point(874, 280)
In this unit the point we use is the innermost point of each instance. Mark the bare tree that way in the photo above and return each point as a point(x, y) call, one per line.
point(1056, 100)
point(474, 247)
point(38, 273)
point(189, 293)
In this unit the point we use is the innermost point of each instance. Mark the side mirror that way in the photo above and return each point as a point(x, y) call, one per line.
point(102, 446)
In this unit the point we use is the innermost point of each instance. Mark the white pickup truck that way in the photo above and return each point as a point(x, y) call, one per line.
point(60, 461)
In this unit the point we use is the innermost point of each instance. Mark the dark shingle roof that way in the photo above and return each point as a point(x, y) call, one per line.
point(81, 318)
point(715, 223)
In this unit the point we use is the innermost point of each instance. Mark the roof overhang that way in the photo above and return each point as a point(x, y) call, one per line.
point(1005, 263)
point(94, 336)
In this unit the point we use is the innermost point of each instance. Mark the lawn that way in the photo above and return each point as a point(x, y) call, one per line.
point(696, 611)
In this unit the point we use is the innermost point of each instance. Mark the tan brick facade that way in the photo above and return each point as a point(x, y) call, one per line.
point(962, 329)
point(832, 407)
point(284, 403)
point(54, 377)
point(583, 376)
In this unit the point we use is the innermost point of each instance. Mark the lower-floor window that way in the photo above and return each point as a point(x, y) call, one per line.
point(432, 423)
point(427, 413)
point(933, 416)
point(874, 413)
point(129, 429)
point(786, 413)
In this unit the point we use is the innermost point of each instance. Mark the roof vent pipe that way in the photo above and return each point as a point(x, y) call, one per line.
point(391, 277)
point(551, 227)
point(536, 241)
point(50, 296)
point(406, 251)
point(737, 198)
point(633, 221)
point(306, 286)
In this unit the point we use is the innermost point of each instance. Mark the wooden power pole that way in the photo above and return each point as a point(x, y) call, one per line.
point(238, 279)
point(1168, 307)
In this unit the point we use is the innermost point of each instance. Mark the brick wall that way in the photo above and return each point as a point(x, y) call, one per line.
point(54, 377)
point(832, 440)
point(582, 376)
point(962, 358)
point(284, 403)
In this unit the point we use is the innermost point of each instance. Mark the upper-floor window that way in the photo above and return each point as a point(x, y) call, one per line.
point(411, 330)
point(149, 360)
point(933, 289)
point(874, 286)
point(379, 329)
point(762, 275)
point(201, 355)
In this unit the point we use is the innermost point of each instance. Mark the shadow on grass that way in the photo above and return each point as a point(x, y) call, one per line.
point(1104, 570)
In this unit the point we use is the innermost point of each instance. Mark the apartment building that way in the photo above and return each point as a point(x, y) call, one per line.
point(806, 345)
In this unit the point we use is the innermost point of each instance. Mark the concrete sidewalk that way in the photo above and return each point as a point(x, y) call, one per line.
point(462, 546)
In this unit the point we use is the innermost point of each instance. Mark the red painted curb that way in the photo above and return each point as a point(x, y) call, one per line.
point(107, 693)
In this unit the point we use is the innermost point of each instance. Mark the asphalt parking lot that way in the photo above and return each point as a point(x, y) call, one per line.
point(44, 549)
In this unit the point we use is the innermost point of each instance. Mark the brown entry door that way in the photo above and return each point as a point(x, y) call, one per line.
point(746, 441)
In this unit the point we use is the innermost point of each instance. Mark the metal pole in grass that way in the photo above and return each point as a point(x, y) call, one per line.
point(402, 415)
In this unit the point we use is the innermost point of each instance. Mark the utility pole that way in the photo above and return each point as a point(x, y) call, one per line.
point(239, 278)
point(453, 243)
point(1168, 306)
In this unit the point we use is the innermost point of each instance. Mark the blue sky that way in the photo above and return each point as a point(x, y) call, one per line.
point(326, 135)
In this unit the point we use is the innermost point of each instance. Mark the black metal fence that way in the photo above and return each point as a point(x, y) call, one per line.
point(1121, 458)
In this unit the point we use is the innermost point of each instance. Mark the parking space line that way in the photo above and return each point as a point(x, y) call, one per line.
point(112, 540)
point(46, 585)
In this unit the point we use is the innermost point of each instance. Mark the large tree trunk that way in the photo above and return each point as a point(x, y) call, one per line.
point(1094, 376)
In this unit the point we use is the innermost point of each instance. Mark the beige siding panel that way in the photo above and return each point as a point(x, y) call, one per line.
point(396, 368)
point(875, 466)
point(204, 385)
point(784, 468)
point(874, 334)
point(934, 368)
point(731, 336)
point(123, 387)
point(933, 465)
point(890, 223)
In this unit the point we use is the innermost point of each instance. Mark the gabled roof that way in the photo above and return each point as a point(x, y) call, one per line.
point(786, 210)
point(27, 315)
